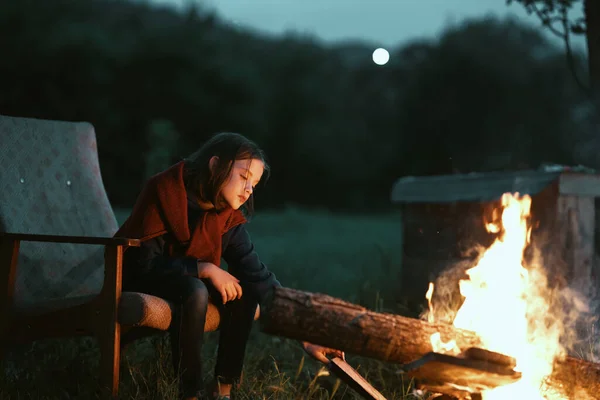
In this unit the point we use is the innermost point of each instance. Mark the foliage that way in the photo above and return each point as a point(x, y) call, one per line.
point(275, 369)
point(552, 12)
point(554, 16)
point(163, 140)
point(338, 129)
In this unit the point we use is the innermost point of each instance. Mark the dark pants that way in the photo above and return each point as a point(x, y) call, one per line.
point(191, 296)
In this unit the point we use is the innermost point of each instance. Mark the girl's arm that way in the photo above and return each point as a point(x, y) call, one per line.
point(244, 263)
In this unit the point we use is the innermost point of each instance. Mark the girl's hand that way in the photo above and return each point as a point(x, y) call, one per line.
point(320, 353)
point(225, 283)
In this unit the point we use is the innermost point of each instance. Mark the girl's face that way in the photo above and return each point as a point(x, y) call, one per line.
point(245, 175)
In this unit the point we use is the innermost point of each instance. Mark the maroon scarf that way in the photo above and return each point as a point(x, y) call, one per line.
point(162, 208)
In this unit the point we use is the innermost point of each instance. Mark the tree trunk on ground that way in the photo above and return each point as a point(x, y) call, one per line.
point(331, 322)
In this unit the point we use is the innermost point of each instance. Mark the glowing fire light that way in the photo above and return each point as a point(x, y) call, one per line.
point(506, 306)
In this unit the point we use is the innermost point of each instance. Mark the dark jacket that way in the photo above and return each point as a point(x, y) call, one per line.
point(162, 207)
point(237, 250)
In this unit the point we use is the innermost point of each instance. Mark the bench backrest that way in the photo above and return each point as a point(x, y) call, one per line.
point(50, 183)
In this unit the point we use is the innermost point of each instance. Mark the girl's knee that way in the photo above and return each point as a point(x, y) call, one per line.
point(197, 294)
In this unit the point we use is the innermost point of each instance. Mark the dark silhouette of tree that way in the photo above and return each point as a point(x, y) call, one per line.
point(554, 16)
point(338, 129)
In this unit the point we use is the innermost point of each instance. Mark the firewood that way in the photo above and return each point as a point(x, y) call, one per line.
point(331, 322)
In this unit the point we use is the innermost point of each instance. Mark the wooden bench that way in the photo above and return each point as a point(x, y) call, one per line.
point(60, 267)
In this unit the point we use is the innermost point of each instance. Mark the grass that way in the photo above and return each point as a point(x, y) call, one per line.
point(356, 258)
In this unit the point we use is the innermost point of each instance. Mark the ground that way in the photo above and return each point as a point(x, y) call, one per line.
point(353, 257)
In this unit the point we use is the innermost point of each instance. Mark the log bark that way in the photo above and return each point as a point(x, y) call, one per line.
point(331, 322)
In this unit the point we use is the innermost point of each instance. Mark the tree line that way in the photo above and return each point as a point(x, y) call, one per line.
point(486, 95)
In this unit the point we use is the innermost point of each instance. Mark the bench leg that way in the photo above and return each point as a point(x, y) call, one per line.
point(110, 358)
point(9, 254)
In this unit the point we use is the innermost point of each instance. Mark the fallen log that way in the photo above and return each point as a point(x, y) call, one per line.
point(325, 320)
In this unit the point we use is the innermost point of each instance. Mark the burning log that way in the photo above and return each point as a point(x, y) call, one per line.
point(331, 322)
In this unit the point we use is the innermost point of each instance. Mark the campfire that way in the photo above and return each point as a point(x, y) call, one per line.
point(507, 340)
point(507, 305)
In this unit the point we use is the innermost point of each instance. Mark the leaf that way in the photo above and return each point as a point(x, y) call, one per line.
point(578, 29)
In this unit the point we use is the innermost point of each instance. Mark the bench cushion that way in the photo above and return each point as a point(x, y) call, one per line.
point(136, 310)
point(143, 310)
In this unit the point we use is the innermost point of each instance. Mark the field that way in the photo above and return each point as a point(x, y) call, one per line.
point(354, 257)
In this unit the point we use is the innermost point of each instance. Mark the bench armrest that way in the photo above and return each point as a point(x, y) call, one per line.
point(106, 241)
point(110, 294)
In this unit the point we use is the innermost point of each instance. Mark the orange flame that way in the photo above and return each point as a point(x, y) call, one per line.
point(506, 307)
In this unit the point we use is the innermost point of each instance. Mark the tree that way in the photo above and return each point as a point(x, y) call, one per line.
point(491, 95)
point(554, 15)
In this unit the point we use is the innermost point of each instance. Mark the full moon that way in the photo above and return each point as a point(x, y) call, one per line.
point(381, 56)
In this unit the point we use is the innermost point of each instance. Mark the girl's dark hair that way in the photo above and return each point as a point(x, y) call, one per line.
point(205, 185)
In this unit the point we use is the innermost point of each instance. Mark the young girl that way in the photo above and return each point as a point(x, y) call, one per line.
point(189, 217)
